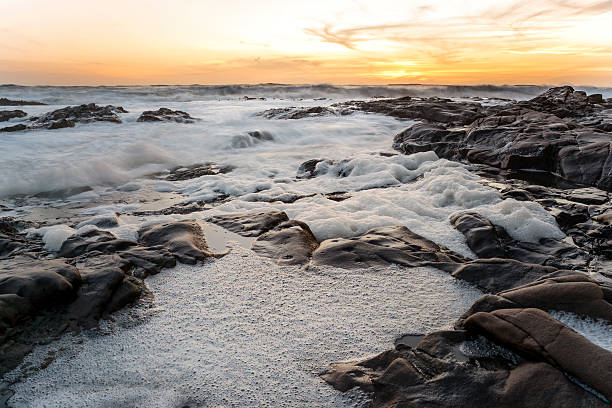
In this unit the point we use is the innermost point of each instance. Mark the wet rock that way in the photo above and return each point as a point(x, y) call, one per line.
point(250, 224)
point(251, 139)
point(563, 101)
point(436, 110)
point(563, 291)
point(11, 114)
point(184, 239)
point(308, 169)
point(166, 115)
point(298, 113)
point(516, 138)
point(29, 285)
point(180, 208)
point(187, 173)
point(492, 241)
point(497, 274)
point(15, 128)
point(429, 376)
point(101, 221)
point(537, 335)
point(8, 102)
point(289, 243)
point(104, 289)
point(382, 246)
point(66, 117)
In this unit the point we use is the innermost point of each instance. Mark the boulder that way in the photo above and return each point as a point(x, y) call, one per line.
point(535, 334)
point(184, 239)
point(8, 102)
point(166, 115)
point(289, 243)
point(383, 246)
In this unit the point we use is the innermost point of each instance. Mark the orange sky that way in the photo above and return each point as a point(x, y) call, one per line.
point(70, 42)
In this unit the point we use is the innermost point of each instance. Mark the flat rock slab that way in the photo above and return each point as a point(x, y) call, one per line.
point(382, 246)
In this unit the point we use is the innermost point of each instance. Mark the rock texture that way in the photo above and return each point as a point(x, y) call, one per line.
point(8, 102)
point(70, 115)
point(541, 134)
point(382, 246)
point(11, 114)
point(289, 243)
point(166, 115)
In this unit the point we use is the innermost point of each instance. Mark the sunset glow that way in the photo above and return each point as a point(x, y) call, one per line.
point(69, 42)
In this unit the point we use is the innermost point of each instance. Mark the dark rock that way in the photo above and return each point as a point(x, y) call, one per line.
point(250, 224)
point(563, 291)
point(495, 274)
point(518, 138)
point(563, 101)
point(437, 110)
point(166, 115)
point(10, 114)
point(251, 139)
point(65, 117)
point(428, 376)
point(289, 243)
point(492, 241)
point(308, 168)
point(184, 239)
point(382, 246)
point(8, 102)
point(30, 285)
point(15, 128)
point(62, 123)
point(297, 113)
point(181, 208)
point(533, 333)
point(196, 171)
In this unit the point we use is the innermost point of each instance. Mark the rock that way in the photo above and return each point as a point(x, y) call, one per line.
point(101, 221)
point(382, 246)
point(166, 115)
point(250, 224)
point(534, 333)
point(8, 102)
point(102, 278)
point(297, 113)
point(429, 376)
point(60, 124)
point(495, 274)
point(184, 239)
point(517, 138)
point(563, 291)
point(308, 169)
point(186, 173)
point(563, 101)
point(492, 241)
point(11, 114)
point(136, 260)
point(30, 285)
point(180, 208)
point(436, 110)
point(480, 234)
point(15, 128)
point(251, 139)
point(289, 243)
point(68, 116)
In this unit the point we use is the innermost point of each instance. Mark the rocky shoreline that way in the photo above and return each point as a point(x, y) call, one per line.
point(507, 350)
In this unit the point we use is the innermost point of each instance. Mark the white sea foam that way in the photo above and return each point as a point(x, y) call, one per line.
point(243, 332)
point(596, 331)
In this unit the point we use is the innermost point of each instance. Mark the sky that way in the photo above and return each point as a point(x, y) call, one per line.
point(87, 42)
